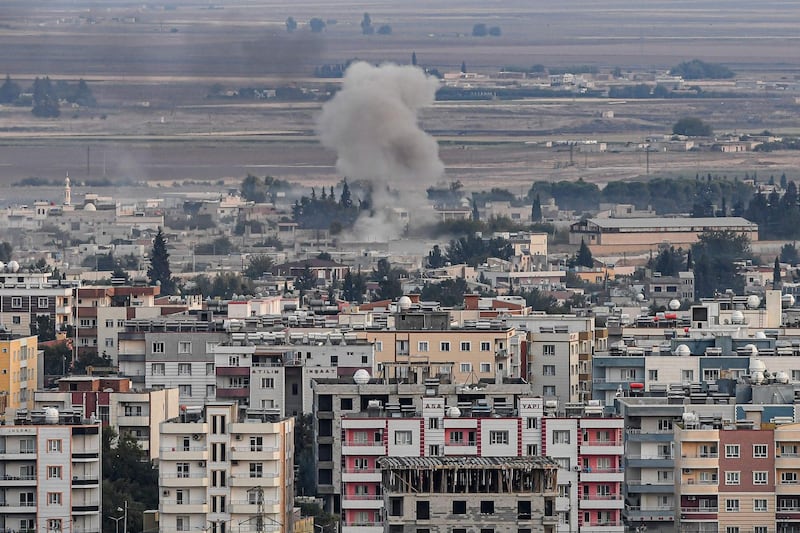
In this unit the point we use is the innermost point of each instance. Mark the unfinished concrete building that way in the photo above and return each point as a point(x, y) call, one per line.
point(469, 494)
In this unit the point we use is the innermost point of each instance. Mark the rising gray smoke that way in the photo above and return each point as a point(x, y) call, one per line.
point(372, 125)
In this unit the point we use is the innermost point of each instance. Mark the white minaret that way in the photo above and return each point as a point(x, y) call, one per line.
point(67, 191)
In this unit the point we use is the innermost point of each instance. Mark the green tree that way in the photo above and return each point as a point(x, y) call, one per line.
point(45, 99)
point(388, 278)
point(257, 265)
point(291, 24)
point(435, 257)
point(463, 67)
point(476, 215)
point(449, 292)
point(346, 199)
point(307, 280)
point(414, 58)
point(536, 209)
point(583, 257)
point(316, 24)
point(304, 455)
point(715, 256)
point(5, 251)
point(366, 25)
point(776, 275)
point(384, 29)
point(44, 327)
point(495, 31)
point(692, 127)
point(668, 262)
point(789, 254)
point(57, 359)
point(9, 91)
point(353, 287)
point(128, 476)
point(159, 272)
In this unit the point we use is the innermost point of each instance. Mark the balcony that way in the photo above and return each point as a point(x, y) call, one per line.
point(636, 513)
point(361, 474)
point(246, 452)
point(362, 501)
point(184, 506)
point(364, 527)
point(129, 420)
point(232, 370)
point(17, 507)
point(267, 479)
point(22, 455)
point(649, 461)
point(250, 507)
point(358, 448)
point(639, 435)
point(786, 460)
point(17, 481)
point(86, 482)
point(86, 508)
point(181, 453)
point(199, 479)
point(700, 460)
point(639, 487)
point(233, 393)
point(86, 456)
point(611, 447)
point(603, 474)
point(611, 501)
point(461, 449)
point(64, 310)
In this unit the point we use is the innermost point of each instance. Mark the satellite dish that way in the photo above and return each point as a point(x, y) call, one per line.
point(674, 305)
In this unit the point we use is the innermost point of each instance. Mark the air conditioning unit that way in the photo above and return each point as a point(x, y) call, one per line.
point(201, 463)
point(691, 498)
point(238, 437)
point(197, 436)
point(165, 493)
point(687, 470)
point(576, 468)
point(234, 463)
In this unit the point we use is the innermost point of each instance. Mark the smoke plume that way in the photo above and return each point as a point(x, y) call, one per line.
point(372, 124)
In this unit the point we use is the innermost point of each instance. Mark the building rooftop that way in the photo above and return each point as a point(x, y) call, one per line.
point(672, 222)
point(469, 462)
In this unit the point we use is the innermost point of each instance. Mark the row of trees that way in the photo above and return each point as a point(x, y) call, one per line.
point(328, 212)
point(46, 96)
point(471, 250)
point(777, 216)
point(318, 25)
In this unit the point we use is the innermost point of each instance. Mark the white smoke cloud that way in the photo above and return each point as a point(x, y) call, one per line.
point(372, 125)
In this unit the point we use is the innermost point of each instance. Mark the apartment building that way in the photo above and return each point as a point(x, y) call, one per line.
point(589, 453)
point(102, 312)
point(482, 350)
point(50, 473)
point(554, 364)
point(359, 420)
point(25, 296)
point(224, 469)
point(19, 365)
point(274, 370)
point(460, 494)
point(111, 402)
point(172, 352)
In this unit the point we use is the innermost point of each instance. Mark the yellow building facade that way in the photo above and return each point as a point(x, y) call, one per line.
point(18, 371)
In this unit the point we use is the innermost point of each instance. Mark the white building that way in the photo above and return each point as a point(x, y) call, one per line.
point(225, 472)
point(50, 474)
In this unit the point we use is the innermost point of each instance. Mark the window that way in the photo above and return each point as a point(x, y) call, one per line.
point(486, 346)
point(789, 478)
point(760, 529)
point(652, 375)
point(433, 423)
point(560, 437)
point(256, 444)
point(133, 410)
point(459, 507)
point(27, 499)
point(549, 370)
point(423, 510)
point(466, 367)
point(711, 374)
point(158, 347)
point(16, 319)
point(54, 445)
point(548, 349)
point(184, 347)
point(788, 450)
point(360, 463)
point(267, 383)
point(378, 346)
point(27, 445)
point(731, 529)
point(184, 369)
point(346, 404)
point(16, 302)
point(486, 368)
point(109, 342)
point(760, 478)
point(498, 437)
point(532, 422)
point(185, 390)
point(54, 524)
point(732, 506)
point(760, 505)
point(44, 301)
point(211, 391)
point(422, 346)
point(179, 499)
point(182, 523)
point(465, 346)
point(549, 390)
point(444, 346)
point(532, 449)
point(209, 369)
point(54, 498)
point(665, 424)
point(233, 360)
point(256, 470)
point(456, 438)
point(731, 478)
point(403, 438)
point(53, 472)
point(731, 451)
point(687, 375)
point(665, 475)
point(183, 469)
point(760, 451)
point(487, 506)
point(524, 510)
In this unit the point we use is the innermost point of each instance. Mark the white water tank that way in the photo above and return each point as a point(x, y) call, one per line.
point(50, 415)
point(674, 305)
point(753, 301)
point(683, 351)
point(361, 377)
point(757, 365)
point(787, 299)
point(453, 412)
point(404, 303)
point(13, 266)
point(737, 317)
point(782, 377)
